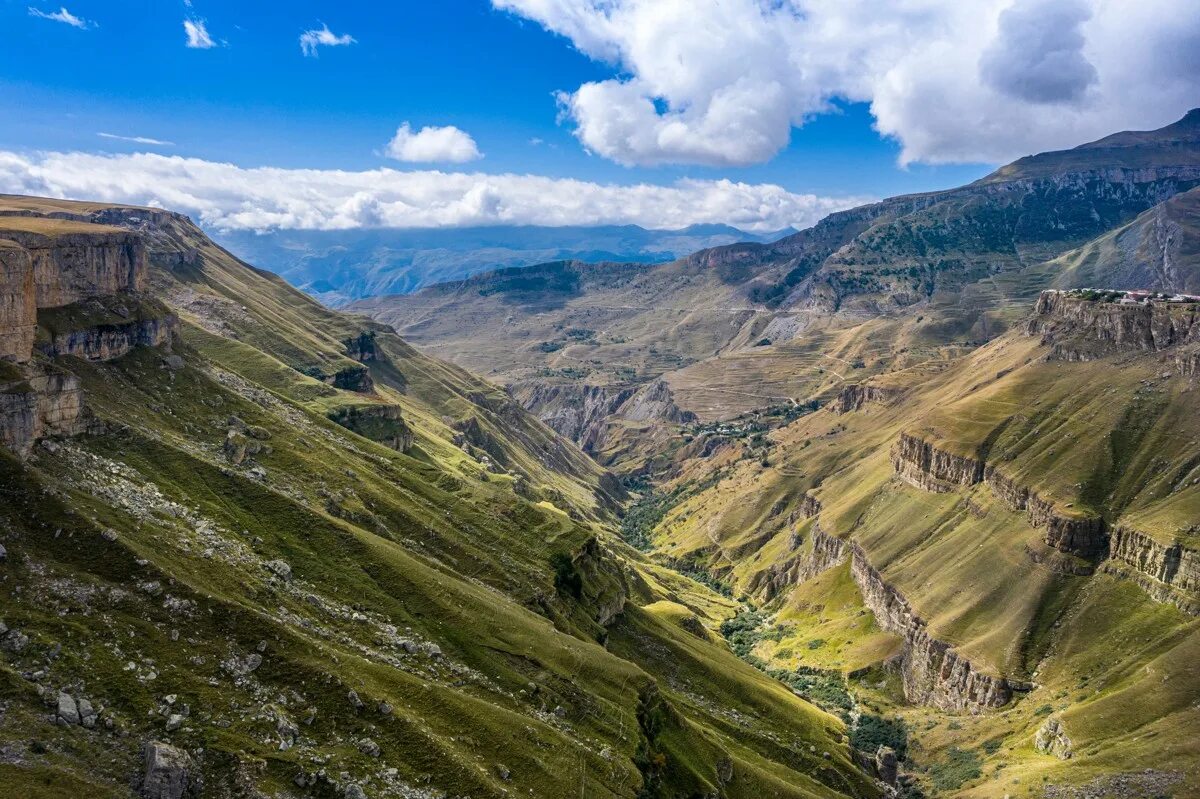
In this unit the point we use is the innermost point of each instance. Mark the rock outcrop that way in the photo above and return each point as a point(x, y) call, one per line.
point(18, 310)
point(931, 671)
point(1078, 328)
point(805, 561)
point(1167, 572)
point(583, 413)
point(923, 465)
point(854, 396)
point(106, 342)
point(1051, 739)
point(37, 401)
point(168, 772)
point(382, 423)
point(74, 261)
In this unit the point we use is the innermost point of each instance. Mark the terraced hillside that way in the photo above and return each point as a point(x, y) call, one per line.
point(954, 269)
point(253, 547)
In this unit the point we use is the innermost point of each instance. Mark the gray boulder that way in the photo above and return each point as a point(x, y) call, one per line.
point(68, 711)
point(167, 772)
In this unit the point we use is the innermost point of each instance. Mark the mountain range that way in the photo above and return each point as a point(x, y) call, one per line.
point(339, 266)
point(906, 504)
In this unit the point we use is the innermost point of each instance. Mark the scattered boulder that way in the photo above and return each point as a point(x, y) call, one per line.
point(354, 700)
point(68, 711)
point(87, 714)
point(3, 553)
point(369, 747)
point(168, 772)
point(175, 721)
point(281, 569)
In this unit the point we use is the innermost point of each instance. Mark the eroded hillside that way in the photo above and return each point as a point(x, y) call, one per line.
point(253, 547)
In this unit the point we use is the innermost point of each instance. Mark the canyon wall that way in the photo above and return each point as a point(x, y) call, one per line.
point(1080, 329)
point(1167, 572)
point(932, 672)
point(18, 310)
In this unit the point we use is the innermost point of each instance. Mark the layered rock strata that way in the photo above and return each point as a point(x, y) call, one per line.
point(1080, 329)
point(853, 397)
point(931, 671)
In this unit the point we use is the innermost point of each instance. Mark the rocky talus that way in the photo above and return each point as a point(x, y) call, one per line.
point(932, 672)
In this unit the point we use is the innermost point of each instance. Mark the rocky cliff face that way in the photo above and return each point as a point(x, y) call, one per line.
point(1169, 573)
point(382, 423)
point(1080, 329)
point(923, 465)
point(577, 412)
point(932, 672)
point(37, 401)
point(108, 341)
point(822, 552)
point(18, 311)
point(78, 263)
point(854, 397)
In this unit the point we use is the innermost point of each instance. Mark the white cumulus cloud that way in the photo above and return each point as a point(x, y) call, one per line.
point(62, 15)
point(198, 37)
point(322, 37)
point(226, 196)
point(432, 144)
point(724, 82)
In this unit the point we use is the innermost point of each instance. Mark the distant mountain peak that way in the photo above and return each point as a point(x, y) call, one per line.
point(1173, 146)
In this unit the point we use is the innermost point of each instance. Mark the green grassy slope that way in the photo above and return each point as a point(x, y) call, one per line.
point(455, 619)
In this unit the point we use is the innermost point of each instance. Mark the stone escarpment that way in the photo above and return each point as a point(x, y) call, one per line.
point(1167, 572)
point(106, 342)
point(853, 397)
point(18, 309)
point(67, 288)
point(806, 559)
point(37, 401)
point(1078, 327)
point(382, 423)
point(921, 464)
point(932, 672)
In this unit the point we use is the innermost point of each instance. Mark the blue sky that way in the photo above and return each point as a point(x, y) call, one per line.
point(259, 101)
point(808, 115)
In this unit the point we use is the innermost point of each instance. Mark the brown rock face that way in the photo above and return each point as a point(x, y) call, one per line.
point(41, 401)
point(1169, 573)
point(18, 311)
point(854, 397)
point(106, 342)
point(68, 267)
point(932, 672)
point(923, 465)
point(1079, 329)
point(824, 552)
